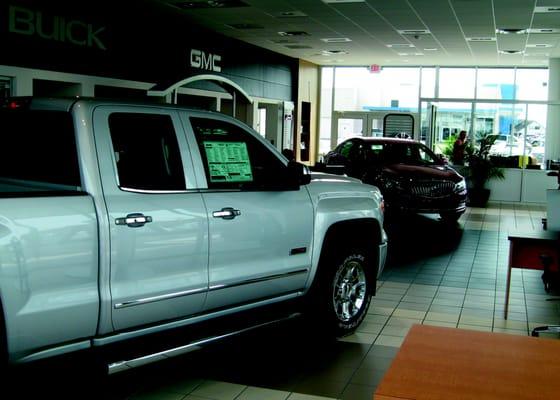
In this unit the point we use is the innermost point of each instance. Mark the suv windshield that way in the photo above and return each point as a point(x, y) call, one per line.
point(404, 153)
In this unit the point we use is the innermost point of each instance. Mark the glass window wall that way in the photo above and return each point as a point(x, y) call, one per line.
point(531, 84)
point(504, 101)
point(495, 84)
point(457, 83)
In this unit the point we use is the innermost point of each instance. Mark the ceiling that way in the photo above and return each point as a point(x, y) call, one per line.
point(388, 32)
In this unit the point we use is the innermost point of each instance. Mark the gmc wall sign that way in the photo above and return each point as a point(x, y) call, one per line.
point(208, 61)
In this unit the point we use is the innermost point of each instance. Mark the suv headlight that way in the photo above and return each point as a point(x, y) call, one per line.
point(461, 186)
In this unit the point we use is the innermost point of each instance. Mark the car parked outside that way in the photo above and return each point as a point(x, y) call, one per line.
point(410, 176)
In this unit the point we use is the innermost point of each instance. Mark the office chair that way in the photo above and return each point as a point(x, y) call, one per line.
point(550, 279)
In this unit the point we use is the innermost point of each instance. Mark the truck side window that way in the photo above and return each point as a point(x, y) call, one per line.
point(233, 158)
point(146, 152)
point(38, 152)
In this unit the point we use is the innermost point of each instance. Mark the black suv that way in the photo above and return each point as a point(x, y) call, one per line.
point(410, 176)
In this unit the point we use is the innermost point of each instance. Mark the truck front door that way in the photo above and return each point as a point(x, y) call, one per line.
point(260, 229)
point(158, 228)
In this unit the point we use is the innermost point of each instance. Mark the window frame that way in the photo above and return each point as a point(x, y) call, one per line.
point(245, 132)
point(177, 130)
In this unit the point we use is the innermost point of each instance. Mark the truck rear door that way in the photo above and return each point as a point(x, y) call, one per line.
point(158, 227)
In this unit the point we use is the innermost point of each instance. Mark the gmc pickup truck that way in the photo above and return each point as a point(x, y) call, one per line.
point(166, 228)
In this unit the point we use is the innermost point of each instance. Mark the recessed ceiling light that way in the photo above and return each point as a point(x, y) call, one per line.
point(481, 39)
point(509, 31)
point(547, 9)
point(293, 33)
point(511, 52)
point(336, 40)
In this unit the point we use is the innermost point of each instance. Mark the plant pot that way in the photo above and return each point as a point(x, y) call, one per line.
point(478, 197)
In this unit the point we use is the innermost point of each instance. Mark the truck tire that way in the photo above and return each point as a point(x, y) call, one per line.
point(344, 289)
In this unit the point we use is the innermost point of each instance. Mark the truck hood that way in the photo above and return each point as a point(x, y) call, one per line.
point(323, 184)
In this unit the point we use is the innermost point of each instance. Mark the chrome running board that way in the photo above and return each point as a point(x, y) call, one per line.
point(121, 366)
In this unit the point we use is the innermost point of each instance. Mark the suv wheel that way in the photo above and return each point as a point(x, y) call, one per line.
point(344, 292)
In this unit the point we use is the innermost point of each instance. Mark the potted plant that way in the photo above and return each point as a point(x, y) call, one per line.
point(480, 169)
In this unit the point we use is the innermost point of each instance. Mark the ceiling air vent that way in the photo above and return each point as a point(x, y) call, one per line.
point(481, 39)
point(333, 52)
point(245, 26)
point(509, 31)
point(293, 33)
point(283, 41)
point(290, 14)
point(511, 52)
point(190, 5)
point(546, 9)
point(336, 40)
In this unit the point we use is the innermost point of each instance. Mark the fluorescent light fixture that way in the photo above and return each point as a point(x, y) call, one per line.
point(547, 9)
point(544, 30)
point(336, 40)
point(342, 1)
point(431, 49)
point(400, 46)
point(539, 46)
point(414, 31)
point(293, 33)
point(481, 39)
point(245, 26)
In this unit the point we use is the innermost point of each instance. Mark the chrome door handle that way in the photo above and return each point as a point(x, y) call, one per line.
point(134, 220)
point(226, 213)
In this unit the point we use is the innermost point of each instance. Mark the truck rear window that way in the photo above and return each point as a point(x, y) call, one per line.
point(38, 153)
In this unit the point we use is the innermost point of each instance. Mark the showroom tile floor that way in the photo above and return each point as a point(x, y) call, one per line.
point(436, 274)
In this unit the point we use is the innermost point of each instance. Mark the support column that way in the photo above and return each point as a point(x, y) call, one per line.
point(552, 144)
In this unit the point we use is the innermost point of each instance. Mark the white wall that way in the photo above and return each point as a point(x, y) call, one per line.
point(526, 186)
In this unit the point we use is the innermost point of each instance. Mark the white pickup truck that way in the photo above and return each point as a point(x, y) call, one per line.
point(165, 228)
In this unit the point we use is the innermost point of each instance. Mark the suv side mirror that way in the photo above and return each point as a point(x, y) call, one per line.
point(442, 159)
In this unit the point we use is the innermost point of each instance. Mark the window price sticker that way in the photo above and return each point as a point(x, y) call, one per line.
point(228, 161)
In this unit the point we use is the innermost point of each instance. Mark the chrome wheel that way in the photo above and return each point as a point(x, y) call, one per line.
point(349, 289)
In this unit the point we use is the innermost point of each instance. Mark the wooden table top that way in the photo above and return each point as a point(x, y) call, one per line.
point(448, 363)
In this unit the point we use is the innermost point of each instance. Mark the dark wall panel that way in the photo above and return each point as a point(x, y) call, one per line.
point(137, 40)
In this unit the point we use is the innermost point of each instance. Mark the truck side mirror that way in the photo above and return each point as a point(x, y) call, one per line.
point(298, 174)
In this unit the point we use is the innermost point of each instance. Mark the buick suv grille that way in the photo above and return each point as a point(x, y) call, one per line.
point(432, 189)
